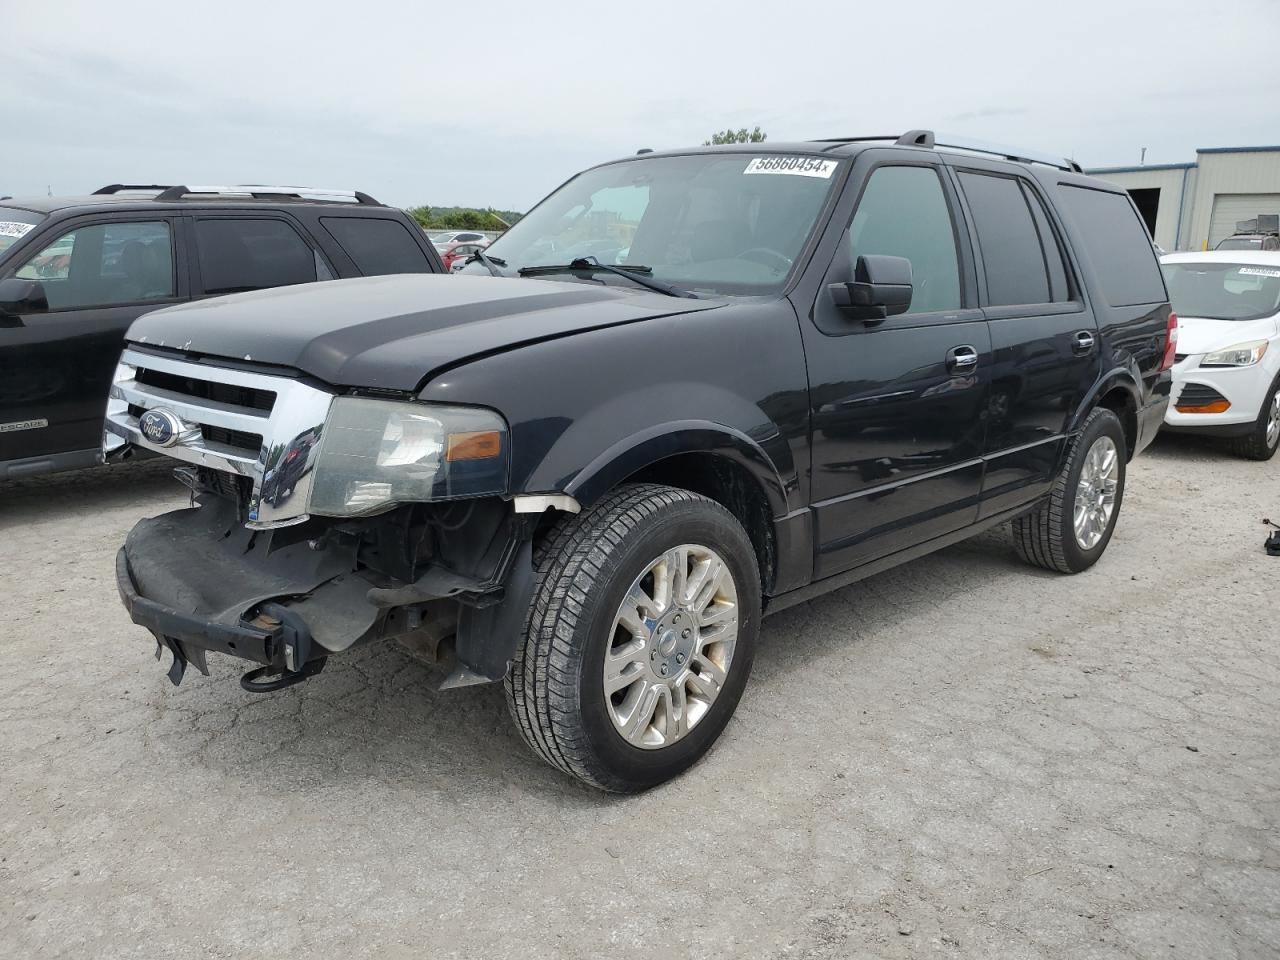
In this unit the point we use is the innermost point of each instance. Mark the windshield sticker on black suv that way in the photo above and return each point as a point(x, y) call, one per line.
point(9, 228)
point(1259, 272)
point(795, 166)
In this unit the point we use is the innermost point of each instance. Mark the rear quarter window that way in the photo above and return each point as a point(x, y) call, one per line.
point(377, 246)
point(1116, 245)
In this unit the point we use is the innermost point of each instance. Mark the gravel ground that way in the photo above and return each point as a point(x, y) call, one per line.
point(960, 758)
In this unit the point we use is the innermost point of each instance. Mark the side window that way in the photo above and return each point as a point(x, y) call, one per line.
point(377, 246)
point(1116, 243)
point(903, 213)
point(1059, 286)
point(237, 255)
point(105, 264)
point(1012, 257)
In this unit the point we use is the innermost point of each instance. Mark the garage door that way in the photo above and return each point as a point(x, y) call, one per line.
point(1230, 207)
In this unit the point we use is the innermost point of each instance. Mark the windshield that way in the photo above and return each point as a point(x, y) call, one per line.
point(1223, 291)
point(1240, 243)
point(717, 223)
point(14, 225)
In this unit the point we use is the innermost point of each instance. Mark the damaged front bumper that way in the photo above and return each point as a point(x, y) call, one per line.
point(199, 581)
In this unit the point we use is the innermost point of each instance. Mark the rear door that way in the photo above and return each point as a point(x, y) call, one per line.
point(897, 404)
point(1044, 342)
point(99, 274)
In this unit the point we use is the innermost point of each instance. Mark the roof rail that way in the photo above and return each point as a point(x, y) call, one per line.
point(129, 188)
point(259, 191)
point(928, 140)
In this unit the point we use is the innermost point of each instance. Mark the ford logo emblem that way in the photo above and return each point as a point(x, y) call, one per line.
point(160, 427)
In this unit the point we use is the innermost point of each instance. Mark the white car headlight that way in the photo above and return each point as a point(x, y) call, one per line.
point(1240, 355)
point(376, 453)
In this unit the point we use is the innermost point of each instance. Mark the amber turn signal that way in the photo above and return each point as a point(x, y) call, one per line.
point(1218, 406)
point(473, 446)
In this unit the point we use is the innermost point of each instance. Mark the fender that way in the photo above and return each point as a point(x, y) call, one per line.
point(1127, 377)
point(647, 447)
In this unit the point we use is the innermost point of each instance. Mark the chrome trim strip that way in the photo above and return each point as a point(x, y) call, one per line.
point(211, 412)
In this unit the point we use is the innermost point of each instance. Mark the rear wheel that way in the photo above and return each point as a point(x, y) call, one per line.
point(639, 639)
point(1071, 529)
point(1262, 441)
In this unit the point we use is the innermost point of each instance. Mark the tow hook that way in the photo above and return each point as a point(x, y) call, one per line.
point(254, 681)
point(295, 645)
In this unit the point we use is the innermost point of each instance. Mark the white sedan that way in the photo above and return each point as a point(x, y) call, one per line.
point(1226, 380)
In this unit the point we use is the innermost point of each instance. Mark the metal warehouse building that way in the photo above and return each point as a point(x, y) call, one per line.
point(1191, 206)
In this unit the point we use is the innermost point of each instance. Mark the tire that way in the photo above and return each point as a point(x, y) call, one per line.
point(1047, 537)
point(583, 570)
point(1256, 444)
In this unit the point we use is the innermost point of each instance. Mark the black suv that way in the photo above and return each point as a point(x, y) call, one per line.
point(76, 271)
point(699, 387)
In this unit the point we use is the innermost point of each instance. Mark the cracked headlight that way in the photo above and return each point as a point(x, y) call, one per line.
point(1240, 355)
point(376, 453)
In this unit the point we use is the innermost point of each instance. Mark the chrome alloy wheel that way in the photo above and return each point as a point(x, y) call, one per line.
point(1096, 492)
point(671, 647)
point(1273, 420)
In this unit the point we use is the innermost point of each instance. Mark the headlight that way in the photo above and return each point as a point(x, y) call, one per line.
point(1241, 355)
point(375, 453)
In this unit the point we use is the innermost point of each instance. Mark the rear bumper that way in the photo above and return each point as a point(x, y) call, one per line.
point(1150, 418)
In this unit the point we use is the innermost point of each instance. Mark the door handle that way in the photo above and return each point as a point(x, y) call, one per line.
point(962, 359)
point(1083, 342)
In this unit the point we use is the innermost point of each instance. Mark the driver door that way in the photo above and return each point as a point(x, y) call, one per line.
point(98, 276)
point(898, 404)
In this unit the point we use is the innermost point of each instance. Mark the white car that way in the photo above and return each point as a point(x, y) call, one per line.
point(1226, 378)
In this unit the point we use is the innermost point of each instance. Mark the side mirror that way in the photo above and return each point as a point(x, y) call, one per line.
point(881, 288)
point(22, 296)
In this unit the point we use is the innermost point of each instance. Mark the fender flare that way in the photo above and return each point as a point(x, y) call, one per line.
point(659, 442)
point(1125, 377)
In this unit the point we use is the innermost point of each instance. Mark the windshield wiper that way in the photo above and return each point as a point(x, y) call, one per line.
point(490, 263)
point(636, 273)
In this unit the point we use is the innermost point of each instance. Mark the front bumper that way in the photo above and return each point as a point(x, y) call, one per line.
point(1245, 388)
point(200, 582)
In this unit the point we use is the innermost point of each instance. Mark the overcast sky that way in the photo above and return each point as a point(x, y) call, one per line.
point(495, 103)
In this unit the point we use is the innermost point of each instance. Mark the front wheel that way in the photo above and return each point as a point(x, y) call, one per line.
point(1262, 441)
point(1069, 531)
point(640, 637)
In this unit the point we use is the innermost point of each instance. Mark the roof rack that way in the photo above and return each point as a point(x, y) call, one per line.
point(928, 140)
point(166, 193)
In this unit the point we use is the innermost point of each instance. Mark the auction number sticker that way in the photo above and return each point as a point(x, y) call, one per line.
point(9, 228)
point(1259, 272)
point(794, 166)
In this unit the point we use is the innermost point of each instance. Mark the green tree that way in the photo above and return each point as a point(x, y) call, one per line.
point(737, 136)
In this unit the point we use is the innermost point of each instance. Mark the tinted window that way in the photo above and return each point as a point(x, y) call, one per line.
point(105, 264)
point(240, 255)
point(1059, 287)
point(903, 213)
point(1117, 245)
point(1011, 254)
point(378, 246)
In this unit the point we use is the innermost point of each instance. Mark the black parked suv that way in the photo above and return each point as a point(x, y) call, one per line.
point(76, 271)
point(699, 387)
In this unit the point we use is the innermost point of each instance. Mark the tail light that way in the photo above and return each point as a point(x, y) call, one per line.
point(1170, 342)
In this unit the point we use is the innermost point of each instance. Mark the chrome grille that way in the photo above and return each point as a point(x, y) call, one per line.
point(254, 425)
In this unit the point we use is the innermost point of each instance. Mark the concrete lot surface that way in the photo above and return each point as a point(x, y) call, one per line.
point(960, 758)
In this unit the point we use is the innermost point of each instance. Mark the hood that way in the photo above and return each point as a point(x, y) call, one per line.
point(1197, 335)
point(394, 332)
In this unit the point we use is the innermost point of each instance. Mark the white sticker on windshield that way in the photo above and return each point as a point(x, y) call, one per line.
point(795, 166)
point(1259, 272)
point(9, 228)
